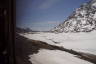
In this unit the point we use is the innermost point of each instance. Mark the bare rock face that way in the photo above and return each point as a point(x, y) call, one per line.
point(83, 19)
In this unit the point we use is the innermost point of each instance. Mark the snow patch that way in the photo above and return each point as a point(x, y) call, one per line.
point(55, 57)
point(94, 4)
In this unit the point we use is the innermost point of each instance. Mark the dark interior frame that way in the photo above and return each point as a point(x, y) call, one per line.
point(7, 31)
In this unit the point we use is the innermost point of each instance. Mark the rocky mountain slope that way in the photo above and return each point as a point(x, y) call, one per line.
point(83, 19)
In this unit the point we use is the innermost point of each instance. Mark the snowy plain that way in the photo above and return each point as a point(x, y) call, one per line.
point(83, 42)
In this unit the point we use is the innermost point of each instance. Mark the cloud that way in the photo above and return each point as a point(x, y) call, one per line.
point(46, 22)
point(44, 25)
point(47, 4)
point(53, 22)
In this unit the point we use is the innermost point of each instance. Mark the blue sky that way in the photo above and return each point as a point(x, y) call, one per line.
point(44, 15)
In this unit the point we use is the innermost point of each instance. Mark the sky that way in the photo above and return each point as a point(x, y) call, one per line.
point(44, 15)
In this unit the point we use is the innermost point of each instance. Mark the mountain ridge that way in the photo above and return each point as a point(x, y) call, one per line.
point(83, 19)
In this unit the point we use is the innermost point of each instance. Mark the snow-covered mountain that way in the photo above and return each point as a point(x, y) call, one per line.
point(83, 19)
